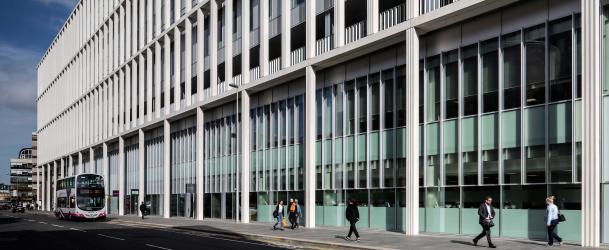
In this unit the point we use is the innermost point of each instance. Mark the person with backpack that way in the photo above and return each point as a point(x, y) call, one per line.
point(278, 213)
point(352, 215)
point(552, 220)
point(292, 214)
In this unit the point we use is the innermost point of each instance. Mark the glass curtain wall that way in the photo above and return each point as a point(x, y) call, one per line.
point(183, 163)
point(515, 145)
point(277, 151)
point(153, 170)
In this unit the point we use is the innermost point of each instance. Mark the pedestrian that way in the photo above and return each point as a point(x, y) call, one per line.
point(143, 209)
point(292, 214)
point(298, 213)
point(486, 214)
point(552, 221)
point(278, 213)
point(352, 215)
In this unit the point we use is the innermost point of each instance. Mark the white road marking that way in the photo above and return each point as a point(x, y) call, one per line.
point(56, 225)
point(107, 236)
point(164, 248)
point(76, 229)
point(31, 220)
point(42, 222)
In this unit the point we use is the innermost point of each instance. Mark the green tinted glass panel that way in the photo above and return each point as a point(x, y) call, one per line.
point(374, 146)
point(469, 128)
point(338, 150)
point(489, 136)
point(578, 117)
point(318, 153)
point(560, 123)
point(327, 148)
point(432, 138)
point(400, 136)
point(450, 136)
point(421, 140)
point(388, 144)
point(534, 133)
point(349, 149)
point(511, 129)
point(361, 147)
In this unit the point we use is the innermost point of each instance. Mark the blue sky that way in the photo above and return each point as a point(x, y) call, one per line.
point(27, 28)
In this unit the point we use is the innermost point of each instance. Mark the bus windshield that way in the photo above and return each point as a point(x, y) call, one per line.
point(90, 199)
point(90, 181)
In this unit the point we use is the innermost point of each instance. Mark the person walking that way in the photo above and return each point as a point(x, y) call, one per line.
point(278, 213)
point(292, 214)
point(352, 215)
point(486, 214)
point(552, 221)
point(143, 209)
point(298, 213)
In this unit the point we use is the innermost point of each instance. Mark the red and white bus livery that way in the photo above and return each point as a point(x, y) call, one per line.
point(81, 197)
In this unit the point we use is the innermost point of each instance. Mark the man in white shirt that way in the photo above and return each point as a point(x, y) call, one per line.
point(551, 220)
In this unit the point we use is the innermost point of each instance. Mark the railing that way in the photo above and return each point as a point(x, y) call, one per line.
point(298, 14)
point(275, 65)
point(431, 5)
point(221, 86)
point(355, 31)
point(254, 73)
point(297, 55)
point(237, 80)
point(324, 45)
point(237, 46)
point(254, 37)
point(275, 27)
point(323, 5)
point(393, 16)
point(207, 93)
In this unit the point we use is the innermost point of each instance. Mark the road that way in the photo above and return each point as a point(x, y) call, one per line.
point(40, 231)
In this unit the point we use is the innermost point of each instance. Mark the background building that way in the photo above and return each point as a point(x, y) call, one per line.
point(391, 103)
point(21, 188)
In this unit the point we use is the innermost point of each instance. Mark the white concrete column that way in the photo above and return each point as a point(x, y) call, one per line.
point(167, 73)
point(200, 166)
point(149, 83)
point(91, 160)
point(245, 42)
point(228, 42)
point(412, 133)
point(48, 188)
point(309, 142)
point(245, 157)
point(166, 168)
point(157, 80)
point(286, 37)
point(177, 67)
point(166, 13)
point(200, 53)
point(122, 32)
point(38, 186)
point(141, 25)
point(177, 10)
point(142, 83)
point(310, 32)
point(121, 175)
point(141, 165)
point(213, 47)
point(157, 18)
point(121, 100)
point(127, 97)
point(106, 173)
point(187, 5)
point(62, 168)
point(372, 22)
point(148, 21)
point(264, 38)
point(339, 23)
point(187, 60)
point(134, 28)
point(70, 165)
point(54, 184)
point(134, 91)
point(591, 123)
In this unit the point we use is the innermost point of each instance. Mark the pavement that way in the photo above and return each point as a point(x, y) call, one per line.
point(261, 236)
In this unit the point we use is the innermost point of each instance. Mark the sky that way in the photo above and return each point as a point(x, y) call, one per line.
point(27, 29)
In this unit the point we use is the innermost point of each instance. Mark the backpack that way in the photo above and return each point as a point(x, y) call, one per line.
point(275, 214)
point(292, 207)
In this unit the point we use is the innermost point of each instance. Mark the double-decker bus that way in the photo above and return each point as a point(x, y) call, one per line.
point(81, 197)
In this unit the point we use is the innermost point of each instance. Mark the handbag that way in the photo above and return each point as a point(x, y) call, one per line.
point(561, 218)
point(283, 223)
point(488, 223)
point(275, 214)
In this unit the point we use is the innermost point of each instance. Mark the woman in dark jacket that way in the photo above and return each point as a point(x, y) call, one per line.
point(352, 215)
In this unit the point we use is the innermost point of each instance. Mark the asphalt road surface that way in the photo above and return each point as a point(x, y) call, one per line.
point(38, 231)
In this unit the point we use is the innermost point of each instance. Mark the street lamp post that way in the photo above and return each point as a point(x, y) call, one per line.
point(235, 86)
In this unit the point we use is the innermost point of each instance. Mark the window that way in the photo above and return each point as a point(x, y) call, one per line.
point(560, 56)
point(350, 94)
point(511, 70)
point(433, 88)
point(400, 101)
point(451, 84)
point(375, 99)
point(470, 79)
point(338, 92)
point(362, 106)
point(535, 65)
point(388, 94)
point(490, 75)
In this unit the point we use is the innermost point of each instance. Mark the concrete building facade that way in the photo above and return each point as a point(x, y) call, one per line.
point(415, 109)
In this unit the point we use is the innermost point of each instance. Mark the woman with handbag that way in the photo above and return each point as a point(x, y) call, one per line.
point(552, 220)
point(486, 214)
point(278, 213)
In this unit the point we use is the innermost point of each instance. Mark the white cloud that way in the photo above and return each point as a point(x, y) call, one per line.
point(17, 78)
point(65, 3)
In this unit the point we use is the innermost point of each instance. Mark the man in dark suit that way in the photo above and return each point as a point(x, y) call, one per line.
point(486, 213)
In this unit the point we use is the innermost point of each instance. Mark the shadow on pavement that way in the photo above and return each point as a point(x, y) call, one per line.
point(462, 242)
